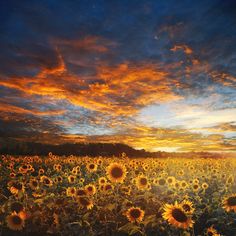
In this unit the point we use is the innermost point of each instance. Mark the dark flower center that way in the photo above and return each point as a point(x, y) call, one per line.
point(17, 186)
point(179, 215)
point(195, 186)
point(16, 220)
point(186, 207)
point(162, 182)
point(91, 166)
point(116, 172)
point(84, 201)
point(135, 213)
point(80, 192)
point(143, 181)
point(108, 187)
point(231, 201)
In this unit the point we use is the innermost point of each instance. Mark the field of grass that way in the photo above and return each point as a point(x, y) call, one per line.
point(117, 196)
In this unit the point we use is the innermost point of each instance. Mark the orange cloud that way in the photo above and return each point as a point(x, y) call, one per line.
point(119, 90)
point(7, 108)
point(187, 50)
point(154, 139)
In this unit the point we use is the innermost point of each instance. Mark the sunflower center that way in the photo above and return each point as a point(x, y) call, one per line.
point(108, 187)
point(84, 201)
point(162, 182)
point(231, 201)
point(16, 220)
point(116, 172)
point(91, 166)
point(135, 213)
point(179, 215)
point(143, 181)
point(186, 207)
point(17, 186)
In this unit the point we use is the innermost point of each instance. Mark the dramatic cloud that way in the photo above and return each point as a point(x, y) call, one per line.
point(153, 75)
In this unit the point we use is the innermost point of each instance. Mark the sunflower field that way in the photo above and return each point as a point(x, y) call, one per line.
point(117, 196)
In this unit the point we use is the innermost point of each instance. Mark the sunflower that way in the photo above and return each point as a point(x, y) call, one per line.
point(12, 175)
point(205, 186)
point(91, 167)
point(59, 179)
point(46, 181)
point(142, 182)
point(116, 172)
point(15, 222)
point(108, 187)
point(41, 171)
point(23, 169)
point(71, 179)
point(125, 190)
point(90, 189)
point(187, 206)
point(212, 232)
point(176, 215)
point(196, 187)
point(16, 187)
point(85, 202)
point(70, 191)
point(161, 181)
point(170, 180)
point(134, 214)
point(34, 184)
point(80, 192)
point(229, 203)
point(102, 180)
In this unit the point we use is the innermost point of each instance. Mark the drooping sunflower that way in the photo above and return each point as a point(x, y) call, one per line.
point(212, 232)
point(229, 203)
point(116, 172)
point(85, 202)
point(15, 222)
point(135, 214)
point(187, 206)
point(176, 216)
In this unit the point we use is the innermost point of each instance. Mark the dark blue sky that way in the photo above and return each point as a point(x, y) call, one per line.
point(159, 75)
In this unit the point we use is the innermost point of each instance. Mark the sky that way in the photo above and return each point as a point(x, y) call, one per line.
point(157, 75)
